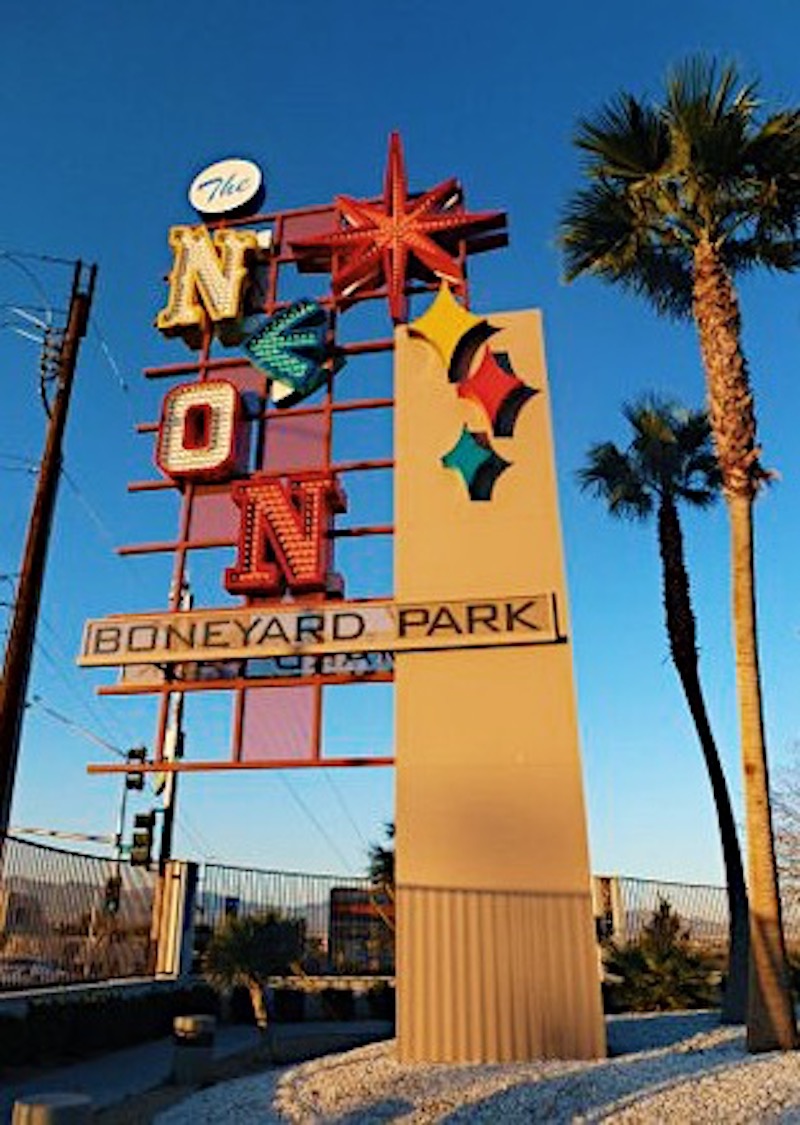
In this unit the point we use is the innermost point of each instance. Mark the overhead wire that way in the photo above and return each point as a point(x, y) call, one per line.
point(115, 368)
point(37, 701)
point(33, 256)
point(16, 259)
point(25, 462)
point(314, 820)
point(343, 806)
point(107, 353)
point(105, 532)
point(87, 705)
point(200, 842)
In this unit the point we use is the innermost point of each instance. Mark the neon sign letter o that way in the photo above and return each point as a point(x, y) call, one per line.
point(200, 434)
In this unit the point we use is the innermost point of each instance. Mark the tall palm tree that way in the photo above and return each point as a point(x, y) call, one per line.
point(681, 197)
point(668, 462)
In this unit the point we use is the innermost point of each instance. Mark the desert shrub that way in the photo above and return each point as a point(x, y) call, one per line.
point(660, 971)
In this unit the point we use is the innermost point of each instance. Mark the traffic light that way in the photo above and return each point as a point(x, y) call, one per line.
point(136, 780)
point(142, 843)
point(113, 891)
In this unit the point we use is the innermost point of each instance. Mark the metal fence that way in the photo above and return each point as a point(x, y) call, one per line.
point(348, 923)
point(627, 905)
point(66, 917)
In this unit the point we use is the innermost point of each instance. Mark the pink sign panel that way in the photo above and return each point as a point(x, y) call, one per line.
point(279, 724)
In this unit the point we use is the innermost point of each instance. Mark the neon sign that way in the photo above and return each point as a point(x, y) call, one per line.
point(284, 541)
point(208, 282)
point(201, 435)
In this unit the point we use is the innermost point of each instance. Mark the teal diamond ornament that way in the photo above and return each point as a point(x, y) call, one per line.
point(290, 347)
point(473, 457)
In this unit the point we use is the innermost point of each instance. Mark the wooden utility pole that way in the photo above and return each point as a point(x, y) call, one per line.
point(19, 650)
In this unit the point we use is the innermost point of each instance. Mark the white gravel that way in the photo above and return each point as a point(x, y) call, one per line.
point(676, 1068)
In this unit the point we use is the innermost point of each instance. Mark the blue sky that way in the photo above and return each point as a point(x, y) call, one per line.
point(107, 113)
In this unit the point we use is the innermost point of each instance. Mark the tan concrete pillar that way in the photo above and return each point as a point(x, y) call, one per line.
point(496, 955)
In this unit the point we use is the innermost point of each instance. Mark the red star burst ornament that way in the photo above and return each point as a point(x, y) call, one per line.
point(389, 242)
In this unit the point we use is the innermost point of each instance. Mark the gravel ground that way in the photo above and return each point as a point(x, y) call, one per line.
point(673, 1068)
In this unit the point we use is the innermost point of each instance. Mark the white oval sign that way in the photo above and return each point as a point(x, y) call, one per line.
point(225, 186)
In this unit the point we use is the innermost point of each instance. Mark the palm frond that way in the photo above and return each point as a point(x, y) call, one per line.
point(610, 475)
point(702, 166)
point(669, 455)
point(745, 254)
point(610, 233)
point(626, 139)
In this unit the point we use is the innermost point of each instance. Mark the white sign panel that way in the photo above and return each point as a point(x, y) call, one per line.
point(225, 186)
point(334, 627)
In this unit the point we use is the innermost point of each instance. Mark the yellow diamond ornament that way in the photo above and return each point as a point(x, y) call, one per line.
point(444, 324)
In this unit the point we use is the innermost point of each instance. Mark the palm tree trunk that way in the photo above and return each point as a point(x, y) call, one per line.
point(258, 1000)
point(771, 1021)
point(770, 1017)
point(682, 632)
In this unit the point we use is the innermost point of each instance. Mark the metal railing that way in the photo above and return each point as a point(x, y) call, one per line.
point(628, 904)
point(348, 922)
point(66, 917)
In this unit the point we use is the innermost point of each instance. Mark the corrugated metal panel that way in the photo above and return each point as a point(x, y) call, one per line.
point(495, 976)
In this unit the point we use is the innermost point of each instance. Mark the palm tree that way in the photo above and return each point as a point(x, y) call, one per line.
point(670, 461)
point(247, 951)
point(681, 197)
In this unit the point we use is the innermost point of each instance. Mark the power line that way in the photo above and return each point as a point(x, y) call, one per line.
point(109, 357)
point(317, 824)
point(96, 519)
point(343, 806)
point(30, 255)
point(94, 714)
point(16, 459)
point(37, 701)
point(200, 842)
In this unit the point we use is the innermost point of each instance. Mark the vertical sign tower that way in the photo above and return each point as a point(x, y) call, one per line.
point(266, 452)
point(496, 955)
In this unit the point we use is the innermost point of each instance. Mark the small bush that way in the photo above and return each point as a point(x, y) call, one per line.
point(659, 972)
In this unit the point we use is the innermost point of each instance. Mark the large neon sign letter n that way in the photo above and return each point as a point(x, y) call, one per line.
point(207, 280)
point(284, 542)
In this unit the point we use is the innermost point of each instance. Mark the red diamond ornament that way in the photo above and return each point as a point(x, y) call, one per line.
point(501, 394)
